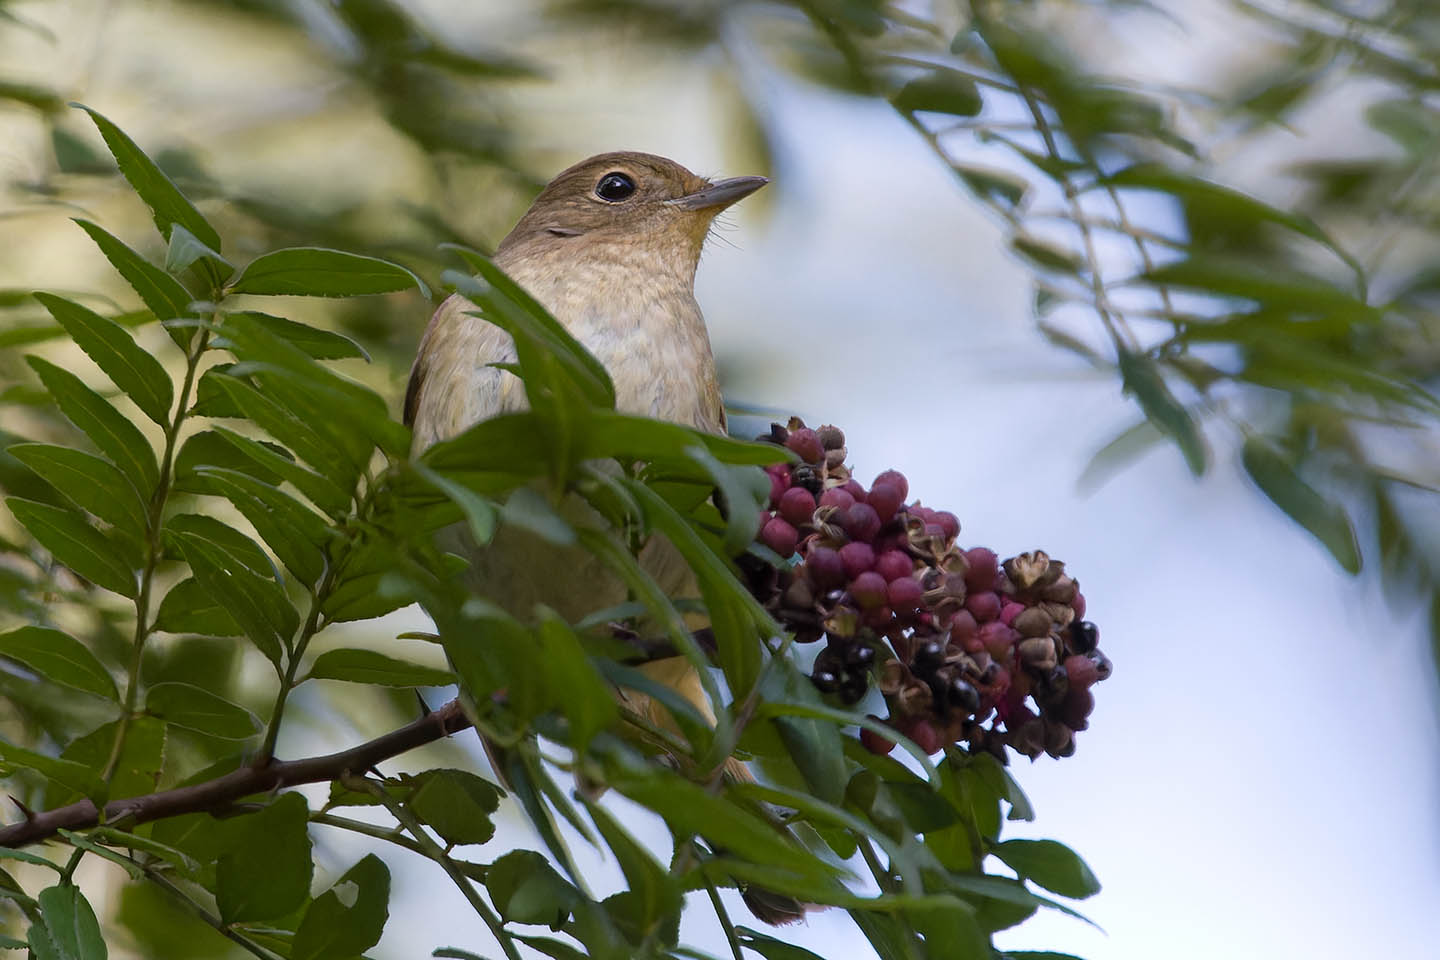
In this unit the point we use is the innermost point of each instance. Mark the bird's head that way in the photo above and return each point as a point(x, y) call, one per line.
point(645, 203)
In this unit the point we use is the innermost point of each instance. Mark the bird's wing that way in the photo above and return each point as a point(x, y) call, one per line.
point(454, 383)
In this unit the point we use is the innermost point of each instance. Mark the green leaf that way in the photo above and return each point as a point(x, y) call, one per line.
point(136, 771)
point(320, 490)
point(813, 743)
point(24, 856)
point(528, 509)
point(691, 810)
point(458, 805)
point(480, 513)
point(160, 194)
point(940, 91)
point(1052, 865)
point(116, 436)
point(257, 603)
point(654, 894)
point(187, 608)
point(186, 249)
point(240, 546)
point(186, 705)
point(307, 442)
point(59, 658)
point(347, 919)
point(137, 373)
point(1047, 255)
point(771, 948)
point(317, 272)
point(1326, 520)
point(575, 685)
point(992, 184)
point(68, 928)
point(1285, 290)
point(526, 889)
point(92, 484)
point(76, 776)
point(367, 666)
point(1143, 379)
point(74, 542)
point(162, 294)
point(208, 449)
point(317, 343)
point(297, 534)
point(266, 872)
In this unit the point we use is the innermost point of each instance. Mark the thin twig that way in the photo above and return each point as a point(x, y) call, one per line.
point(724, 917)
point(223, 791)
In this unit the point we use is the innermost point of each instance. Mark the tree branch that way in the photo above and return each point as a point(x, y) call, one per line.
point(222, 791)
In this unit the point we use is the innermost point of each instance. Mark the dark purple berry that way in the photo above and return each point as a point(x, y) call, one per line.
point(826, 569)
point(797, 505)
point(886, 499)
point(825, 681)
point(982, 568)
point(895, 479)
point(857, 558)
point(905, 594)
point(869, 589)
point(1084, 636)
point(861, 522)
point(961, 694)
point(779, 536)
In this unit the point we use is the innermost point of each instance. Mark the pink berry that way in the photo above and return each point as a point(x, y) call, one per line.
point(894, 565)
point(857, 558)
point(895, 479)
point(926, 737)
point(949, 523)
point(861, 522)
point(963, 627)
point(982, 569)
point(984, 605)
point(826, 569)
point(886, 498)
point(1078, 605)
point(779, 481)
point(869, 589)
point(837, 497)
point(1081, 672)
point(905, 594)
point(806, 444)
point(1009, 611)
point(780, 536)
point(874, 742)
point(797, 505)
point(852, 487)
point(998, 639)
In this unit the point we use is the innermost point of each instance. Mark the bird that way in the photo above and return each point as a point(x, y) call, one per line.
point(610, 248)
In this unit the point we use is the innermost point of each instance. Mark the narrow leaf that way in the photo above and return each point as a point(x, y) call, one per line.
point(157, 190)
point(137, 373)
point(367, 666)
point(186, 705)
point(117, 437)
point(74, 542)
point(317, 272)
point(92, 484)
point(59, 658)
point(1326, 520)
point(1143, 379)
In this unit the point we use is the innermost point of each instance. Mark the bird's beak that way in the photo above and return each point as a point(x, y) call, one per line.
point(721, 194)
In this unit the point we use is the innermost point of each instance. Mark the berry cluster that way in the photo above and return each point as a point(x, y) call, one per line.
point(965, 648)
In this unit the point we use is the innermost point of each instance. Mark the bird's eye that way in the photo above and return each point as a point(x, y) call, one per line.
point(615, 187)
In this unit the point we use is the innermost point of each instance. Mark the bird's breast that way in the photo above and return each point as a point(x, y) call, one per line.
point(647, 331)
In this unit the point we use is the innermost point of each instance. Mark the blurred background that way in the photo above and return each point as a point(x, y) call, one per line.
point(1150, 286)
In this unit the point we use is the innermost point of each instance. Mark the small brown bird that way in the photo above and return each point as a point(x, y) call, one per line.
point(610, 248)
